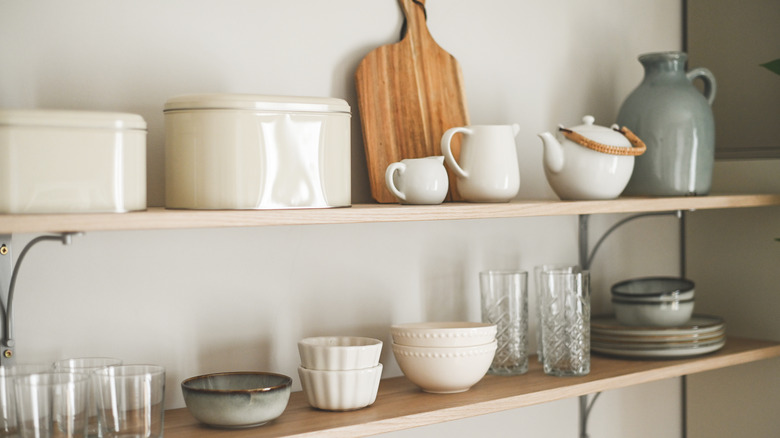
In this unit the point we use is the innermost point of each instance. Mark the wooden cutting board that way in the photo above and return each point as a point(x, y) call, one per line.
point(409, 93)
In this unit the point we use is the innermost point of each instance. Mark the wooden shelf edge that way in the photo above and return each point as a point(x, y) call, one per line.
point(401, 405)
point(161, 218)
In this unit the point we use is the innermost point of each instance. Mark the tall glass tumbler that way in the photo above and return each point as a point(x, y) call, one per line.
point(131, 400)
point(504, 298)
point(538, 300)
point(89, 365)
point(565, 309)
point(52, 405)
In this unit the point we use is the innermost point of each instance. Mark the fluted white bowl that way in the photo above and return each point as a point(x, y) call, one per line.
point(445, 369)
point(340, 390)
point(443, 334)
point(339, 353)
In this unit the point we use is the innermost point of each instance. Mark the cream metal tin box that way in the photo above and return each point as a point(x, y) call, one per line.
point(234, 151)
point(55, 161)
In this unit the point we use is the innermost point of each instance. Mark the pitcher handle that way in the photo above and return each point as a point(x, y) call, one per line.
point(391, 169)
point(446, 150)
point(710, 86)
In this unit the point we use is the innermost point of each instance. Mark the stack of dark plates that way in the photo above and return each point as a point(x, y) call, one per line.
point(700, 335)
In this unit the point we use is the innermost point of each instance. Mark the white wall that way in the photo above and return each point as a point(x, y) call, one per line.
point(199, 301)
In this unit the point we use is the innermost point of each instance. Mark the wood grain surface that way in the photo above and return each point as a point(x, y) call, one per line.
point(402, 405)
point(409, 93)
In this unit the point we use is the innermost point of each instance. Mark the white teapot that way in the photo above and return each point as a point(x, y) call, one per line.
point(590, 161)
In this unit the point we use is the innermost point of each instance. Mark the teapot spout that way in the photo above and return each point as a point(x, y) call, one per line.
point(553, 152)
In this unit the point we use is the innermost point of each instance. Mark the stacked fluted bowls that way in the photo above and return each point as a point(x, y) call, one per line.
point(653, 301)
point(340, 373)
point(444, 357)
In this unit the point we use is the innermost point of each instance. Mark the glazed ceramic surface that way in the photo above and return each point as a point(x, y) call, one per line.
point(72, 162)
point(339, 352)
point(341, 390)
point(653, 289)
point(227, 151)
point(577, 172)
point(444, 369)
point(488, 170)
point(659, 314)
point(238, 399)
point(443, 334)
point(676, 123)
point(418, 180)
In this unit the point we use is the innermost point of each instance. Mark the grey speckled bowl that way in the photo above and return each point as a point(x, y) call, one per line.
point(237, 399)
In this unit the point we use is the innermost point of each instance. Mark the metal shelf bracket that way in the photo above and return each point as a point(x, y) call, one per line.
point(586, 255)
point(9, 272)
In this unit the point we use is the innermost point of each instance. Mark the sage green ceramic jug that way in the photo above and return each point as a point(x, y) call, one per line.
point(675, 121)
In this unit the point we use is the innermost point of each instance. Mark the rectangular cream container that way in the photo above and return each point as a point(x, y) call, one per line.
point(243, 152)
point(54, 161)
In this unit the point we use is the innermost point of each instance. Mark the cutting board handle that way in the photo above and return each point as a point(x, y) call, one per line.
point(415, 17)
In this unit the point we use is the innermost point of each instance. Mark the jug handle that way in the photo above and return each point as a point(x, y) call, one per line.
point(446, 150)
point(710, 86)
point(401, 167)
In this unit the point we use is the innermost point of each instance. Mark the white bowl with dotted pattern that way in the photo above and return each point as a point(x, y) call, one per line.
point(445, 370)
point(443, 334)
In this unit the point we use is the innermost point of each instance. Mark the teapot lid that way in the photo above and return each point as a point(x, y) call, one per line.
point(601, 134)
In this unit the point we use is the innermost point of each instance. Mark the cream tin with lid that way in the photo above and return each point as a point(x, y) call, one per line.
point(57, 161)
point(241, 151)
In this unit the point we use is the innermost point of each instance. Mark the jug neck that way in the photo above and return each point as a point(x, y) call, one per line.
point(664, 64)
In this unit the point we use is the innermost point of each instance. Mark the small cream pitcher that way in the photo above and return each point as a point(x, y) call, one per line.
point(488, 169)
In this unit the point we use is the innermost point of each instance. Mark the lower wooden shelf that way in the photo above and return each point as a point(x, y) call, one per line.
point(402, 405)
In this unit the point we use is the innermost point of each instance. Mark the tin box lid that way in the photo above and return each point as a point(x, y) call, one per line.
point(72, 119)
point(258, 103)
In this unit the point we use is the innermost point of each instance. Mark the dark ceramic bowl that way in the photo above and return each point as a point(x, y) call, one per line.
point(237, 399)
point(654, 289)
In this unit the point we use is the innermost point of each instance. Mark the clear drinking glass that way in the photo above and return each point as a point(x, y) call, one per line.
point(538, 301)
point(565, 310)
point(504, 297)
point(89, 365)
point(8, 425)
point(131, 400)
point(52, 404)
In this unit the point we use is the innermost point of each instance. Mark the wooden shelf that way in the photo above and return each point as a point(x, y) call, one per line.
point(402, 405)
point(160, 218)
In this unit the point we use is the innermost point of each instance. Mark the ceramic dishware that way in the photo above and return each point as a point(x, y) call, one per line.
point(504, 302)
point(341, 390)
point(443, 334)
point(418, 180)
point(676, 121)
point(236, 399)
point(657, 314)
point(652, 289)
point(339, 353)
point(487, 170)
point(445, 369)
point(589, 161)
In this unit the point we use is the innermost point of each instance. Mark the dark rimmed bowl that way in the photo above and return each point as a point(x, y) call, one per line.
point(237, 399)
point(654, 289)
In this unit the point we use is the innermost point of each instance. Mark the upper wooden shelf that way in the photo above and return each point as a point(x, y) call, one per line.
point(160, 218)
point(402, 405)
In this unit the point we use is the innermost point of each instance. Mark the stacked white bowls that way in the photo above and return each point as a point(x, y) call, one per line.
point(653, 301)
point(444, 357)
point(340, 373)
